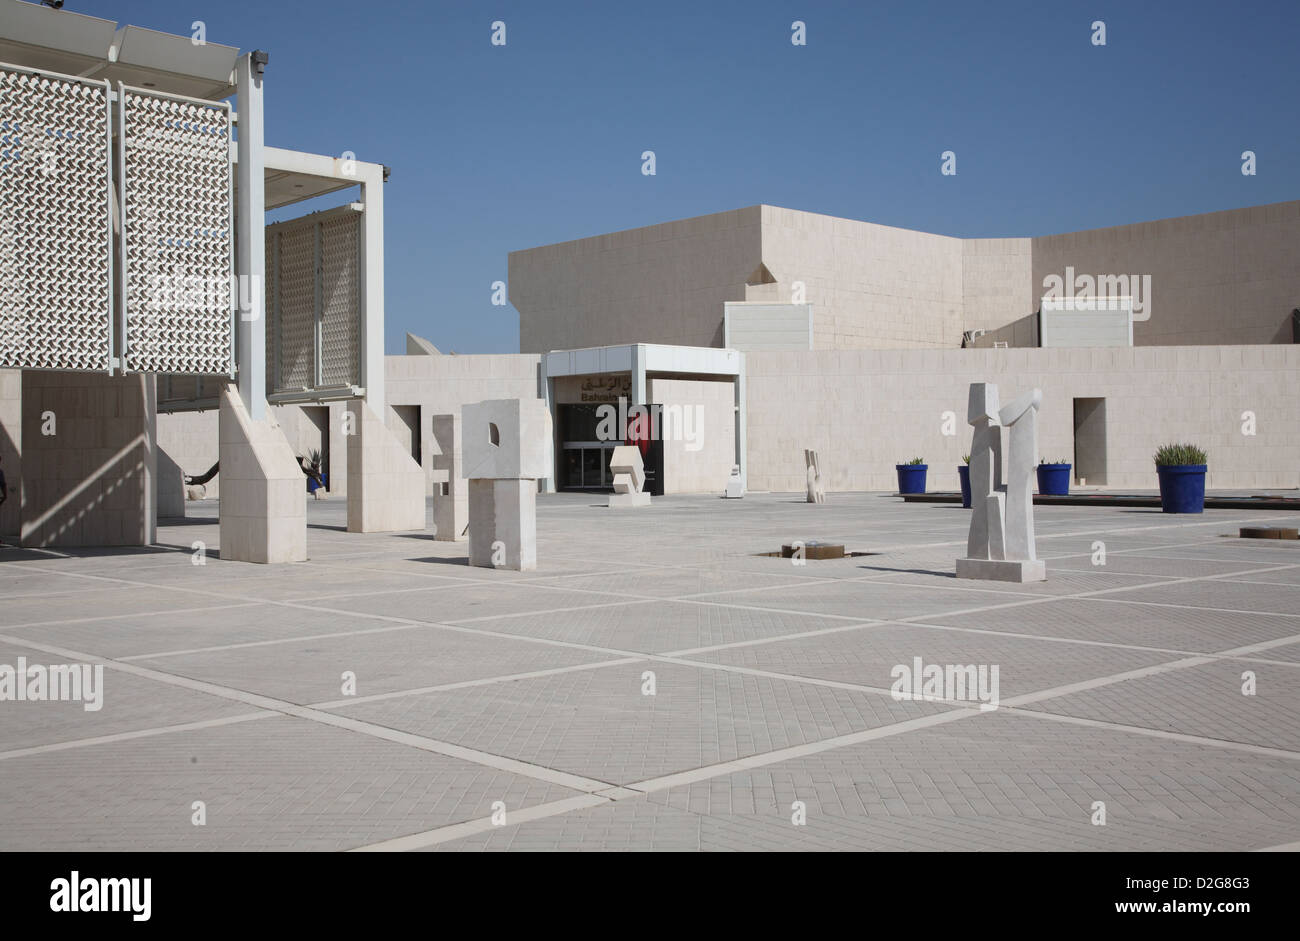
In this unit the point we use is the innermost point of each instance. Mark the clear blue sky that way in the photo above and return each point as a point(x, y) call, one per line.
point(501, 148)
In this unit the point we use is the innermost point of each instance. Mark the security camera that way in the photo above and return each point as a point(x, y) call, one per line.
point(53, 4)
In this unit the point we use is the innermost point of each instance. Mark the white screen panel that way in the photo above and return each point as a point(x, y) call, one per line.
point(55, 241)
point(178, 234)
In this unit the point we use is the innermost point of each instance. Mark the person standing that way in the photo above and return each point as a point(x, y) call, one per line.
point(4, 490)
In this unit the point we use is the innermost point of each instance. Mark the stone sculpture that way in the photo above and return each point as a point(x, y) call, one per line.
point(450, 489)
point(629, 477)
point(1000, 544)
point(735, 486)
point(506, 448)
point(816, 489)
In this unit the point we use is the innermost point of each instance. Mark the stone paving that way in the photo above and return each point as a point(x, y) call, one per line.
point(657, 684)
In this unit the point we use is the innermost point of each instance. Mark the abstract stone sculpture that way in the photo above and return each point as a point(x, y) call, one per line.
point(735, 486)
point(506, 448)
point(450, 489)
point(1000, 545)
point(629, 477)
point(816, 489)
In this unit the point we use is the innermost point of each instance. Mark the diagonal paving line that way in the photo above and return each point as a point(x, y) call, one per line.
point(1197, 607)
point(445, 834)
point(1116, 645)
point(499, 762)
point(135, 614)
point(134, 734)
point(216, 648)
point(767, 609)
point(1261, 750)
point(469, 684)
point(456, 831)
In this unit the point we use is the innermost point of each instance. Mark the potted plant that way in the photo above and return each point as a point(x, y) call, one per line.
point(1181, 468)
point(963, 473)
point(911, 476)
point(317, 481)
point(1054, 477)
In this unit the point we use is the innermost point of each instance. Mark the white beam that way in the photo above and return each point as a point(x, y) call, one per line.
point(372, 286)
point(250, 223)
point(742, 422)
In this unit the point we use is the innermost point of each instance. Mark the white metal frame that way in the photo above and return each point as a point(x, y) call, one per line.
point(640, 359)
point(119, 97)
point(250, 243)
point(319, 392)
point(110, 359)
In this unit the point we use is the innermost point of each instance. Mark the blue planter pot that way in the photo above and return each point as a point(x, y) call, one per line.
point(911, 477)
point(963, 471)
point(1182, 488)
point(312, 486)
point(1054, 479)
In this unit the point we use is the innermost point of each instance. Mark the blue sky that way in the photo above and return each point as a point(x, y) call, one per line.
point(495, 149)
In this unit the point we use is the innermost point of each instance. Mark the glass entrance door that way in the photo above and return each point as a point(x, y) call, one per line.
point(586, 465)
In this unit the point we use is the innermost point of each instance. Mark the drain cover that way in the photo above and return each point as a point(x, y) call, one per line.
point(814, 549)
point(1269, 532)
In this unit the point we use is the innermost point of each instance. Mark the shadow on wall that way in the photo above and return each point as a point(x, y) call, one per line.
point(171, 487)
point(1018, 333)
point(88, 464)
point(9, 464)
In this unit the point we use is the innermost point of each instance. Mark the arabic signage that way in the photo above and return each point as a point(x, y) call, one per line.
point(607, 387)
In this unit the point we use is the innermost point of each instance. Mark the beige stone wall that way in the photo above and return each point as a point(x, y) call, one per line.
point(870, 285)
point(11, 436)
point(436, 384)
point(440, 385)
point(997, 278)
point(865, 411)
point(191, 441)
point(710, 422)
point(1218, 278)
point(661, 283)
point(91, 482)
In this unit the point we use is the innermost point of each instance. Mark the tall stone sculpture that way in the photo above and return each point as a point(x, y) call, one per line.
point(450, 489)
point(816, 489)
point(735, 484)
point(506, 448)
point(629, 477)
point(1000, 544)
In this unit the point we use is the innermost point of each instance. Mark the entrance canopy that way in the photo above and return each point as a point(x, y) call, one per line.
point(641, 361)
point(157, 225)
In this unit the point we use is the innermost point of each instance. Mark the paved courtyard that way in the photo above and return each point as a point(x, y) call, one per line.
point(658, 685)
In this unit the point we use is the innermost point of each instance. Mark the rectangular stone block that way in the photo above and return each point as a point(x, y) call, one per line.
point(506, 438)
point(999, 570)
point(263, 499)
point(385, 484)
point(450, 488)
point(628, 500)
point(503, 524)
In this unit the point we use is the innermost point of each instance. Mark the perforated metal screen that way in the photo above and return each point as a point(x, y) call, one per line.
point(55, 228)
point(313, 303)
point(340, 300)
point(178, 238)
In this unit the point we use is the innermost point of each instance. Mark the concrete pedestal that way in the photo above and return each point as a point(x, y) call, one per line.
point(450, 488)
point(1000, 570)
point(263, 498)
point(622, 501)
point(503, 534)
point(89, 459)
point(385, 484)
